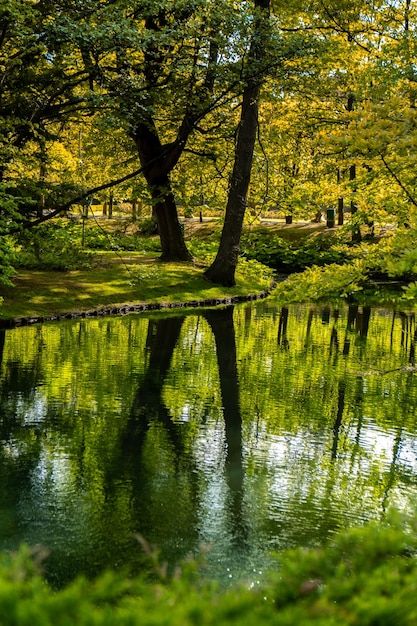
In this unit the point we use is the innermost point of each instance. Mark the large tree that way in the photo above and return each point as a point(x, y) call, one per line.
point(223, 268)
point(171, 66)
point(155, 70)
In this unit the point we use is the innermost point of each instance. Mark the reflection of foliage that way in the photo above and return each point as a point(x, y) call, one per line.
point(307, 379)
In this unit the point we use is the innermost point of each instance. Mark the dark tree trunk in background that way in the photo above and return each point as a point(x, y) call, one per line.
point(223, 268)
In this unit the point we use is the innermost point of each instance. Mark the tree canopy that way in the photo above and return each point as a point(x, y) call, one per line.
point(145, 98)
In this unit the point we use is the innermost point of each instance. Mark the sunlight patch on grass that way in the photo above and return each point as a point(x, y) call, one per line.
point(39, 293)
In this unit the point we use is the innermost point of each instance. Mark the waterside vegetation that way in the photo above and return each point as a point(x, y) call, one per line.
point(244, 112)
point(365, 576)
point(79, 266)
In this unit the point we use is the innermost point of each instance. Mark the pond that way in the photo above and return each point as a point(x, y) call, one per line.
point(229, 433)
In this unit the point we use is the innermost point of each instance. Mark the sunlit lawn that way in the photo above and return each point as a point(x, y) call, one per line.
point(132, 279)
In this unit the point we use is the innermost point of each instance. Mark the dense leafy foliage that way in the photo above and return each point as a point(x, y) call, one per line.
point(54, 247)
point(291, 256)
point(364, 268)
point(101, 80)
point(363, 576)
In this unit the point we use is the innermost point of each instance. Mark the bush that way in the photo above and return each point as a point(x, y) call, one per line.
point(148, 226)
point(53, 246)
point(317, 284)
point(363, 577)
point(286, 256)
point(7, 260)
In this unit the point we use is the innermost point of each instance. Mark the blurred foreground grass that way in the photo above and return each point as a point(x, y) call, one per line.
point(363, 577)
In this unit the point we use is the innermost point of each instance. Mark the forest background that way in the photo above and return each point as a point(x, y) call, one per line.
point(238, 111)
point(234, 110)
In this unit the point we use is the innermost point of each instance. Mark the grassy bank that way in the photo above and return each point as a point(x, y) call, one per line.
point(117, 279)
point(134, 274)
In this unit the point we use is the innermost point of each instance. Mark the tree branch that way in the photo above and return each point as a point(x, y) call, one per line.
point(83, 196)
point(398, 181)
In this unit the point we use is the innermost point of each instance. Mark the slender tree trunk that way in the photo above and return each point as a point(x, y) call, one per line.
point(223, 268)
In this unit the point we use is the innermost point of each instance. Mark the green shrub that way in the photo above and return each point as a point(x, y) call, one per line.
point(327, 283)
point(364, 577)
point(53, 246)
point(7, 260)
point(204, 249)
point(148, 226)
point(286, 256)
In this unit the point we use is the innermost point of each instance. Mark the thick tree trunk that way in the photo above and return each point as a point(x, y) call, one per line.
point(223, 268)
point(171, 235)
point(157, 166)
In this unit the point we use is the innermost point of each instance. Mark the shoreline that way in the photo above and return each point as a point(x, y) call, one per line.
point(129, 308)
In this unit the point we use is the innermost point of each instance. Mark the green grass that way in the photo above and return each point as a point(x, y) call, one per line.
point(137, 276)
point(132, 278)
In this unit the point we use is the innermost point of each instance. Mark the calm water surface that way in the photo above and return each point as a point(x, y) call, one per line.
point(233, 433)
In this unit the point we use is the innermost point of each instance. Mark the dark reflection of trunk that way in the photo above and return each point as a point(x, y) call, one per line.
point(325, 315)
point(282, 328)
point(334, 344)
point(221, 323)
point(2, 340)
point(334, 337)
point(147, 405)
point(407, 335)
point(412, 357)
point(352, 313)
point(308, 330)
point(339, 417)
point(362, 323)
point(248, 320)
point(356, 321)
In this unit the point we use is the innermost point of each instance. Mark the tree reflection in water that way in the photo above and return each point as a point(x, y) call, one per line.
point(222, 324)
point(251, 427)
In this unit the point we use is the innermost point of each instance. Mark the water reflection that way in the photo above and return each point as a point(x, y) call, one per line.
point(248, 429)
point(222, 325)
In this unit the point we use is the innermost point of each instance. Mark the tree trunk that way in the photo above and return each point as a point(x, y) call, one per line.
point(173, 245)
point(223, 268)
point(154, 159)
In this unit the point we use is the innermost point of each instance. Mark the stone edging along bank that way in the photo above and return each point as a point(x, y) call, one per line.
point(125, 309)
